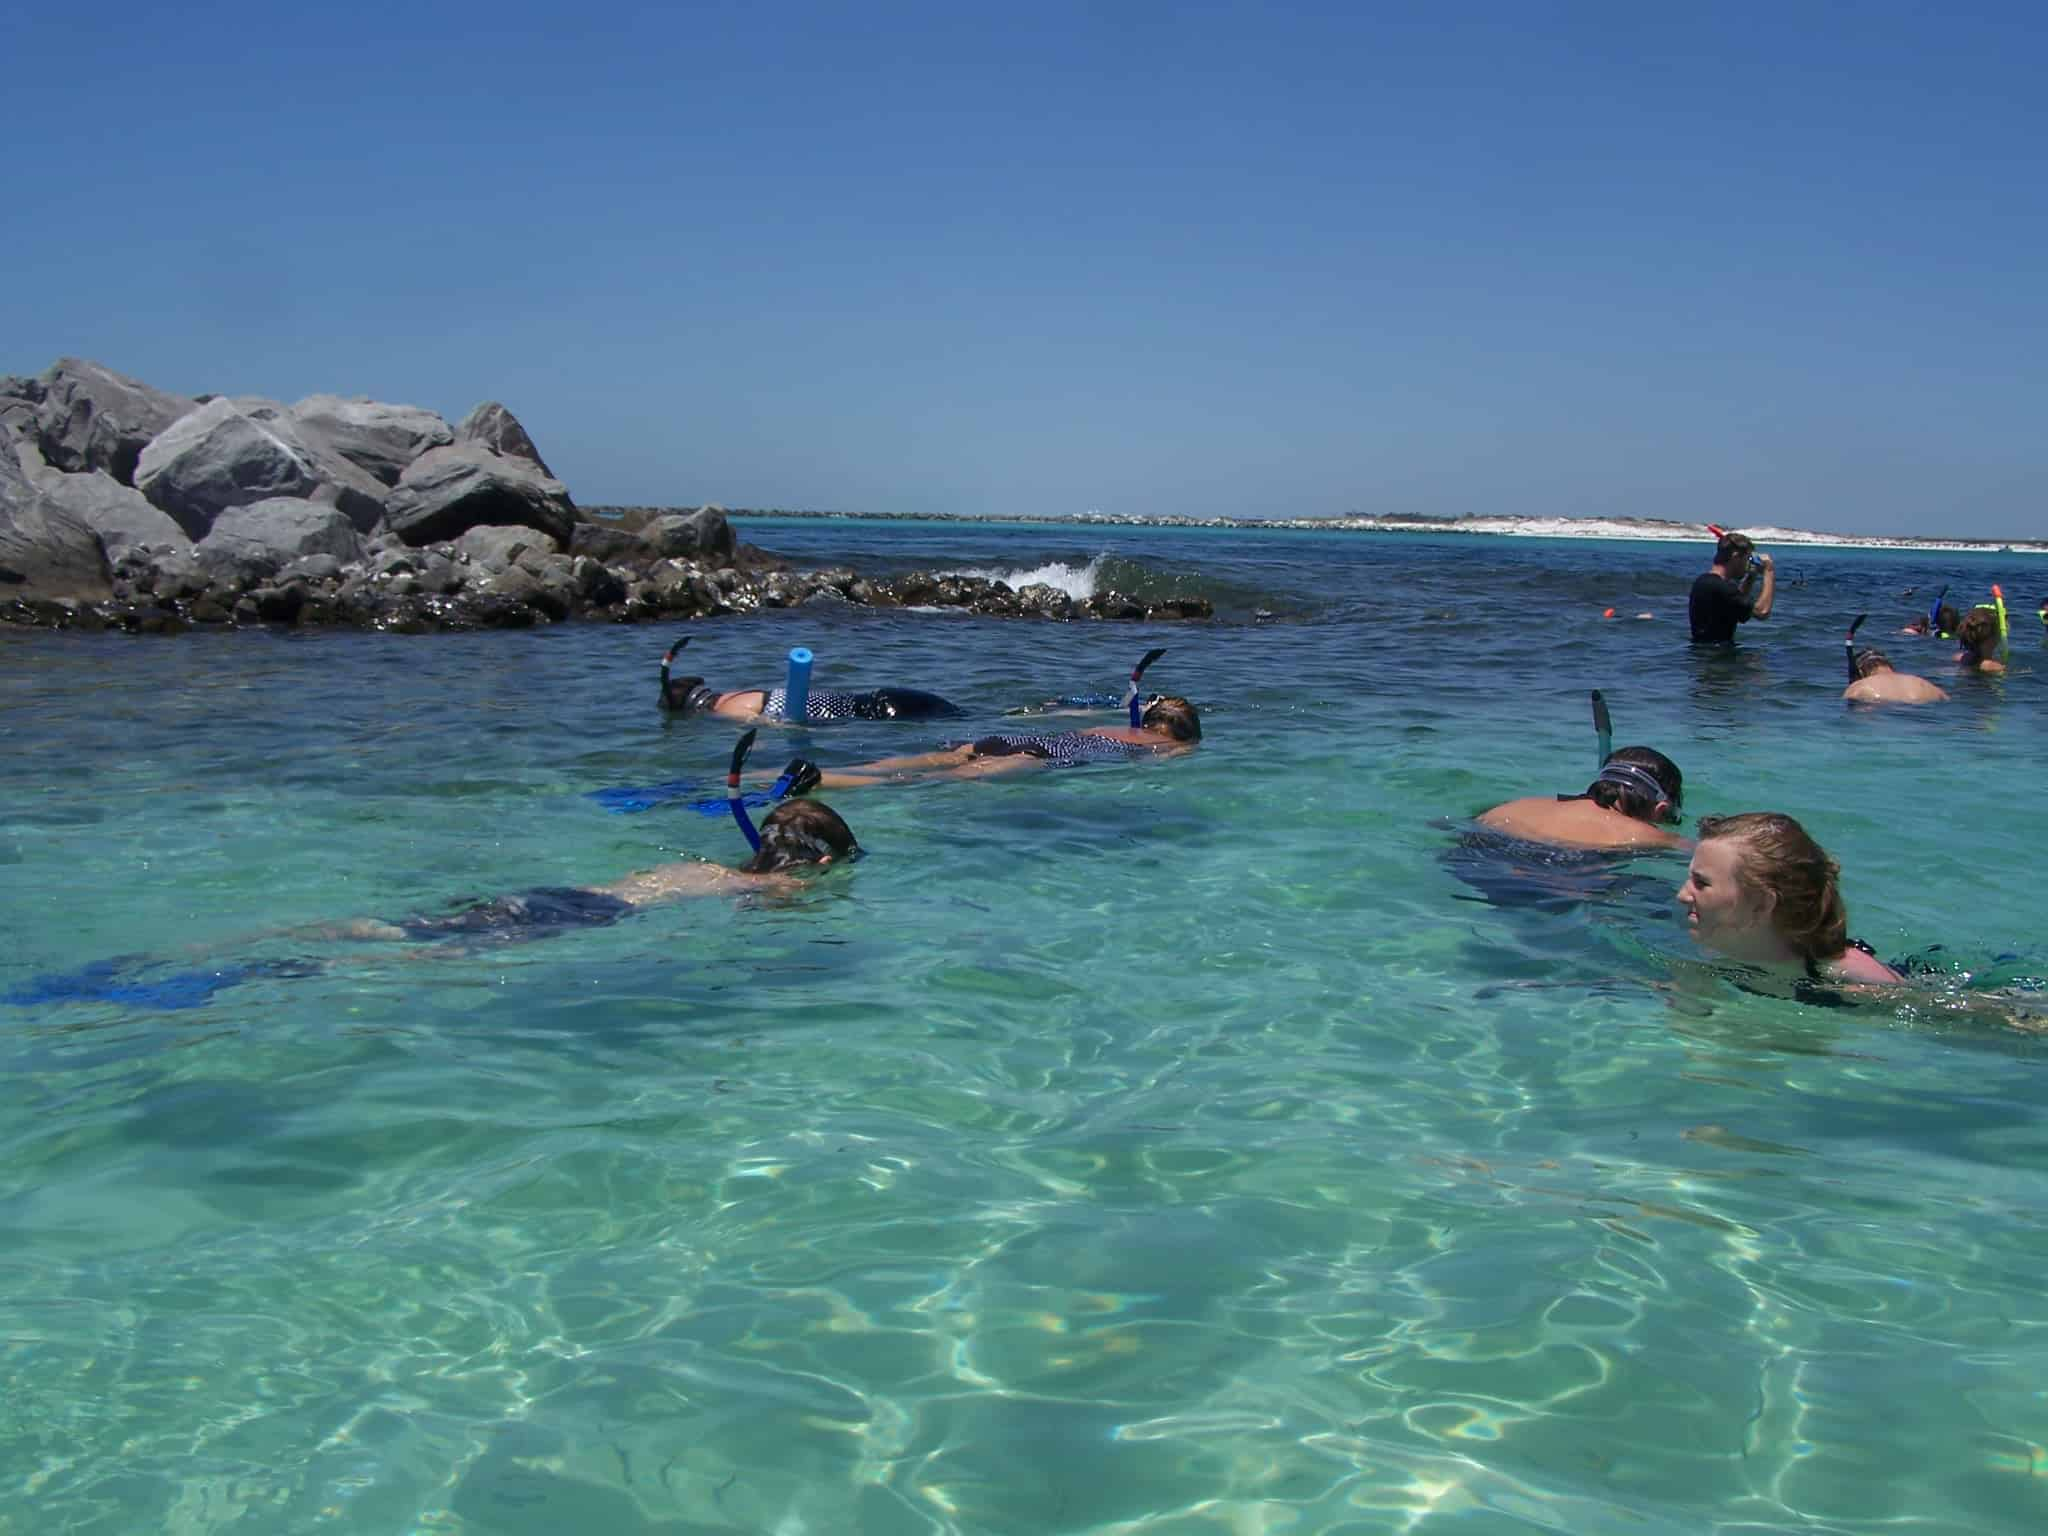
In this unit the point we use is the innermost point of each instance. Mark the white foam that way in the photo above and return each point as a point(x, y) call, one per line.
point(1080, 585)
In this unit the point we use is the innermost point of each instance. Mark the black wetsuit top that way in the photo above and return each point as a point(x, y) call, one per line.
point(1717, 606)
point(528, 915)
point(876, 704)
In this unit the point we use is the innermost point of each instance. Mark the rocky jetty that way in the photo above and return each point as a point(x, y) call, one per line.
point(123, 506)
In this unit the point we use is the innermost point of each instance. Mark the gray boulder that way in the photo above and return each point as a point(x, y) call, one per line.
point(690, 535)
point(491, 426)
point(89, 417)
point(340, 482)
point(496, 549)
point(266, 536)
point(448, 491)
point(216, 458)
point(120, 516)
point(45, 552)
point(381, 440)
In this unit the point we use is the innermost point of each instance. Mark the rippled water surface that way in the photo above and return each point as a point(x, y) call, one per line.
point(1178, 1148)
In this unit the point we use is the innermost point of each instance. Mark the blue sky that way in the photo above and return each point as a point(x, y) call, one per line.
point(1757, 263)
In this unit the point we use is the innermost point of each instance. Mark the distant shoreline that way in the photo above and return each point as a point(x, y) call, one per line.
point(1653, 529)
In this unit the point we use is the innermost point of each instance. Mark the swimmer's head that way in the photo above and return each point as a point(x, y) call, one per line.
point(1786, 885)
point(687, 695)
point(1174, 715)
point(1978, 633)
point(1871, 662)
point(800, 832)
point(1946, 619)
point(1640, 782)
point(1732, 548)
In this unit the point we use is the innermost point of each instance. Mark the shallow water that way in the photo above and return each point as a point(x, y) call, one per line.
point(1176, 1148)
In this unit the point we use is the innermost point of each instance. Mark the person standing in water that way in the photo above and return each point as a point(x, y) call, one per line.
point(1721, 596)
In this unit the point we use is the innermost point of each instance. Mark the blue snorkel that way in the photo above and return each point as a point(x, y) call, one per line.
point(1131, 694)
point(1934, 613)
point(796, 690)
point(1603, 728)
point(733, 798)
point(1849, 644)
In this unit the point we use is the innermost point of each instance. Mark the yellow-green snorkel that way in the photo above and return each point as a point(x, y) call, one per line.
point(2004, 629)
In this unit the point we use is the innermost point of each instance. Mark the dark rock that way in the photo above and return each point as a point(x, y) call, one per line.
point(1044, 601)
point(89, 418)
point(704, 534)
point(597, 585)
point(492, 426)
point(614, 546)
point(381, 440)
point(448, 491)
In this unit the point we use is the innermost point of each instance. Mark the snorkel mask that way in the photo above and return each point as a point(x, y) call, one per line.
point(1638, 780)
point(688, 694)
point(1131, 700)
point(1629, 776)
point(798, 778)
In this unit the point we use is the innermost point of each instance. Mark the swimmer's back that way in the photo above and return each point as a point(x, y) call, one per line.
point(1574, 823)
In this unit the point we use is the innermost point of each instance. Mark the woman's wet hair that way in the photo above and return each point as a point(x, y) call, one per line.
point(1946, 618)
point(1618, 794)
point(799, 832)
point(1780, 860)
point(1871, 661)
point(1174, 715)
point(1979, 631)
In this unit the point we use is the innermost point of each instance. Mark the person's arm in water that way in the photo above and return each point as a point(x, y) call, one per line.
point(1761, 608)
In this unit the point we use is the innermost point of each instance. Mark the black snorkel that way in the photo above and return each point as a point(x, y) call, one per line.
point(1849, 643)
point(733, 797)
point(1603, 728)
point(1131, 695)
point(667, 660)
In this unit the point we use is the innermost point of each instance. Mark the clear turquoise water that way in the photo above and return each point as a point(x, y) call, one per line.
point(1170, 1149)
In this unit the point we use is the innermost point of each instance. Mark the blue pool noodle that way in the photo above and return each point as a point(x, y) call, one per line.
point(796, 693)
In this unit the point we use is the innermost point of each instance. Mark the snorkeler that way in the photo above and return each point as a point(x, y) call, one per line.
point(795, 835)
point(1636, 791)
point(1721, 595)
point(1163, 725)
point(689, 695)
point(1761, 891)
point(1873, 679)
point(1168, 726)
point(1939, 620)
point(1983, 637)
